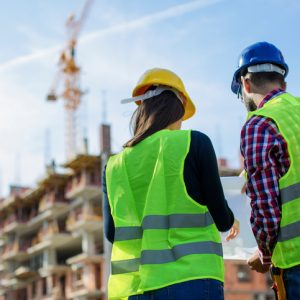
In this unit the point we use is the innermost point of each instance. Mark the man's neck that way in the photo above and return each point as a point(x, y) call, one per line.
point(260, 97)
point(257, 98)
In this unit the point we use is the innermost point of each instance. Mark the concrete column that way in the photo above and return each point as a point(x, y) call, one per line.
point(87, 276)
point(49, 257)
point(105, 140)
point(87, 207)
point(68, 288)
point(50, 283)
point(88, 243)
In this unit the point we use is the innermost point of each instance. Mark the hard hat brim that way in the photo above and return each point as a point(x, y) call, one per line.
point(189, 109)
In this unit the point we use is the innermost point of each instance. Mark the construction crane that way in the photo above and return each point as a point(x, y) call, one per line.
point(69, 73)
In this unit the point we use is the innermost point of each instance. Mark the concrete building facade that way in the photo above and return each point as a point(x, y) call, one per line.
point(51, 236)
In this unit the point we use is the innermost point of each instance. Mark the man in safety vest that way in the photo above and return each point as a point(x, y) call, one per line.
point(270, 145)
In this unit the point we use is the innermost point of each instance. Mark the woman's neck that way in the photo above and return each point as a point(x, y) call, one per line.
point(175, 126)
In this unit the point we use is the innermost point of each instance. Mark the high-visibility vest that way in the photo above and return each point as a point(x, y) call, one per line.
point(162, 236)
point(284, 110)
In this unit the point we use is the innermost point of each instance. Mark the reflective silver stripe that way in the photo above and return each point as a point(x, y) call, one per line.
point(171, 255)
point(128, 233)
point(290, 193)
point(163, 222)
point(289, 232)
point(177, 221)
point(165, 256)
point(125, 266)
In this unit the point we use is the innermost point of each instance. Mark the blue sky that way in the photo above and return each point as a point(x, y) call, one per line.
point(198, 39)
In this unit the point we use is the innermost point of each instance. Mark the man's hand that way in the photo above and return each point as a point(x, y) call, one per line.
point(255, 264)
point(234, 230)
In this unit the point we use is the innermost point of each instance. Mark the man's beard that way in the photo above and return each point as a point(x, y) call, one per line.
point(249, 103)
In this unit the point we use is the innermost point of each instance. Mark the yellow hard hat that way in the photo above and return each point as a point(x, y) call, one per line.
point(164, 77)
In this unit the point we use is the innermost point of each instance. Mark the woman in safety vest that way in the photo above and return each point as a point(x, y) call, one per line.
point(163, 201)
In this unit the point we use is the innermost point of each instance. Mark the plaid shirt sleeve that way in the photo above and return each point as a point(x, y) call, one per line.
point(265, 160)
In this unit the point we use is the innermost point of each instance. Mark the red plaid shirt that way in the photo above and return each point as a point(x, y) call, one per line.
point(266, 159)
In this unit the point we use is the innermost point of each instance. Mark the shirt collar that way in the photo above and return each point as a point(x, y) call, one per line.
point(269, 96)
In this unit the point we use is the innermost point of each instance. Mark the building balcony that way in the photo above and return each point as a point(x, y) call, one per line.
point(84, 292)
point(24, 273)
point(85, 258)
point(14, 223)
point(33, 220)
point(86, 179)
point(53, 202)
point(87, 221)
point(85, 277)
point(38, 219)
point(55, 240)
point(10, 284)
point(15, 251)
point(82, 185)
point(9, 201)
point(51, 270)
point(52, 212)
point(13, 227)
point(81, 283)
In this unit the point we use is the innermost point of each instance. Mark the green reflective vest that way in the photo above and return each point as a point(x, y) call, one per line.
point(284, 110)
point(162, 236)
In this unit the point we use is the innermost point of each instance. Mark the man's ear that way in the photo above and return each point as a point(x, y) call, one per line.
point(246, 84)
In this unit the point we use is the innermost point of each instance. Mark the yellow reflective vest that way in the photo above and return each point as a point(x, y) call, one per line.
point(162, 236)
point(284, 110)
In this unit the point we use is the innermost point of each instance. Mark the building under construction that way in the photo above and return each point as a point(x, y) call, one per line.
point(51, 235)
point(51, 245)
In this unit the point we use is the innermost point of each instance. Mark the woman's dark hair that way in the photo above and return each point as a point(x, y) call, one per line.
point(154, 114)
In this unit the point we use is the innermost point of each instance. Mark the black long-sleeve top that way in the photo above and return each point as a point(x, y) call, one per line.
point(202, 182)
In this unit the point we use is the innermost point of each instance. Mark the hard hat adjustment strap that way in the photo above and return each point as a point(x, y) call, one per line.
point(152, 93)
point(239, 92)
point(266, 68)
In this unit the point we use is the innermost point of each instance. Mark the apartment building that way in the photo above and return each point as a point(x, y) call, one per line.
point(51, 236)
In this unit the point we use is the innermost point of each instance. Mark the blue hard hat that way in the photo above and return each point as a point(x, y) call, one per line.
point(258, 53)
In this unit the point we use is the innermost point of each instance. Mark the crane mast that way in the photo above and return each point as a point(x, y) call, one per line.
point(69, 73)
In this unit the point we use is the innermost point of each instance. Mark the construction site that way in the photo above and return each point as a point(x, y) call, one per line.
point(52, 239)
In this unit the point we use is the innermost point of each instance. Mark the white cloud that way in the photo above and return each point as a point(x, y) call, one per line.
point(125, 26)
